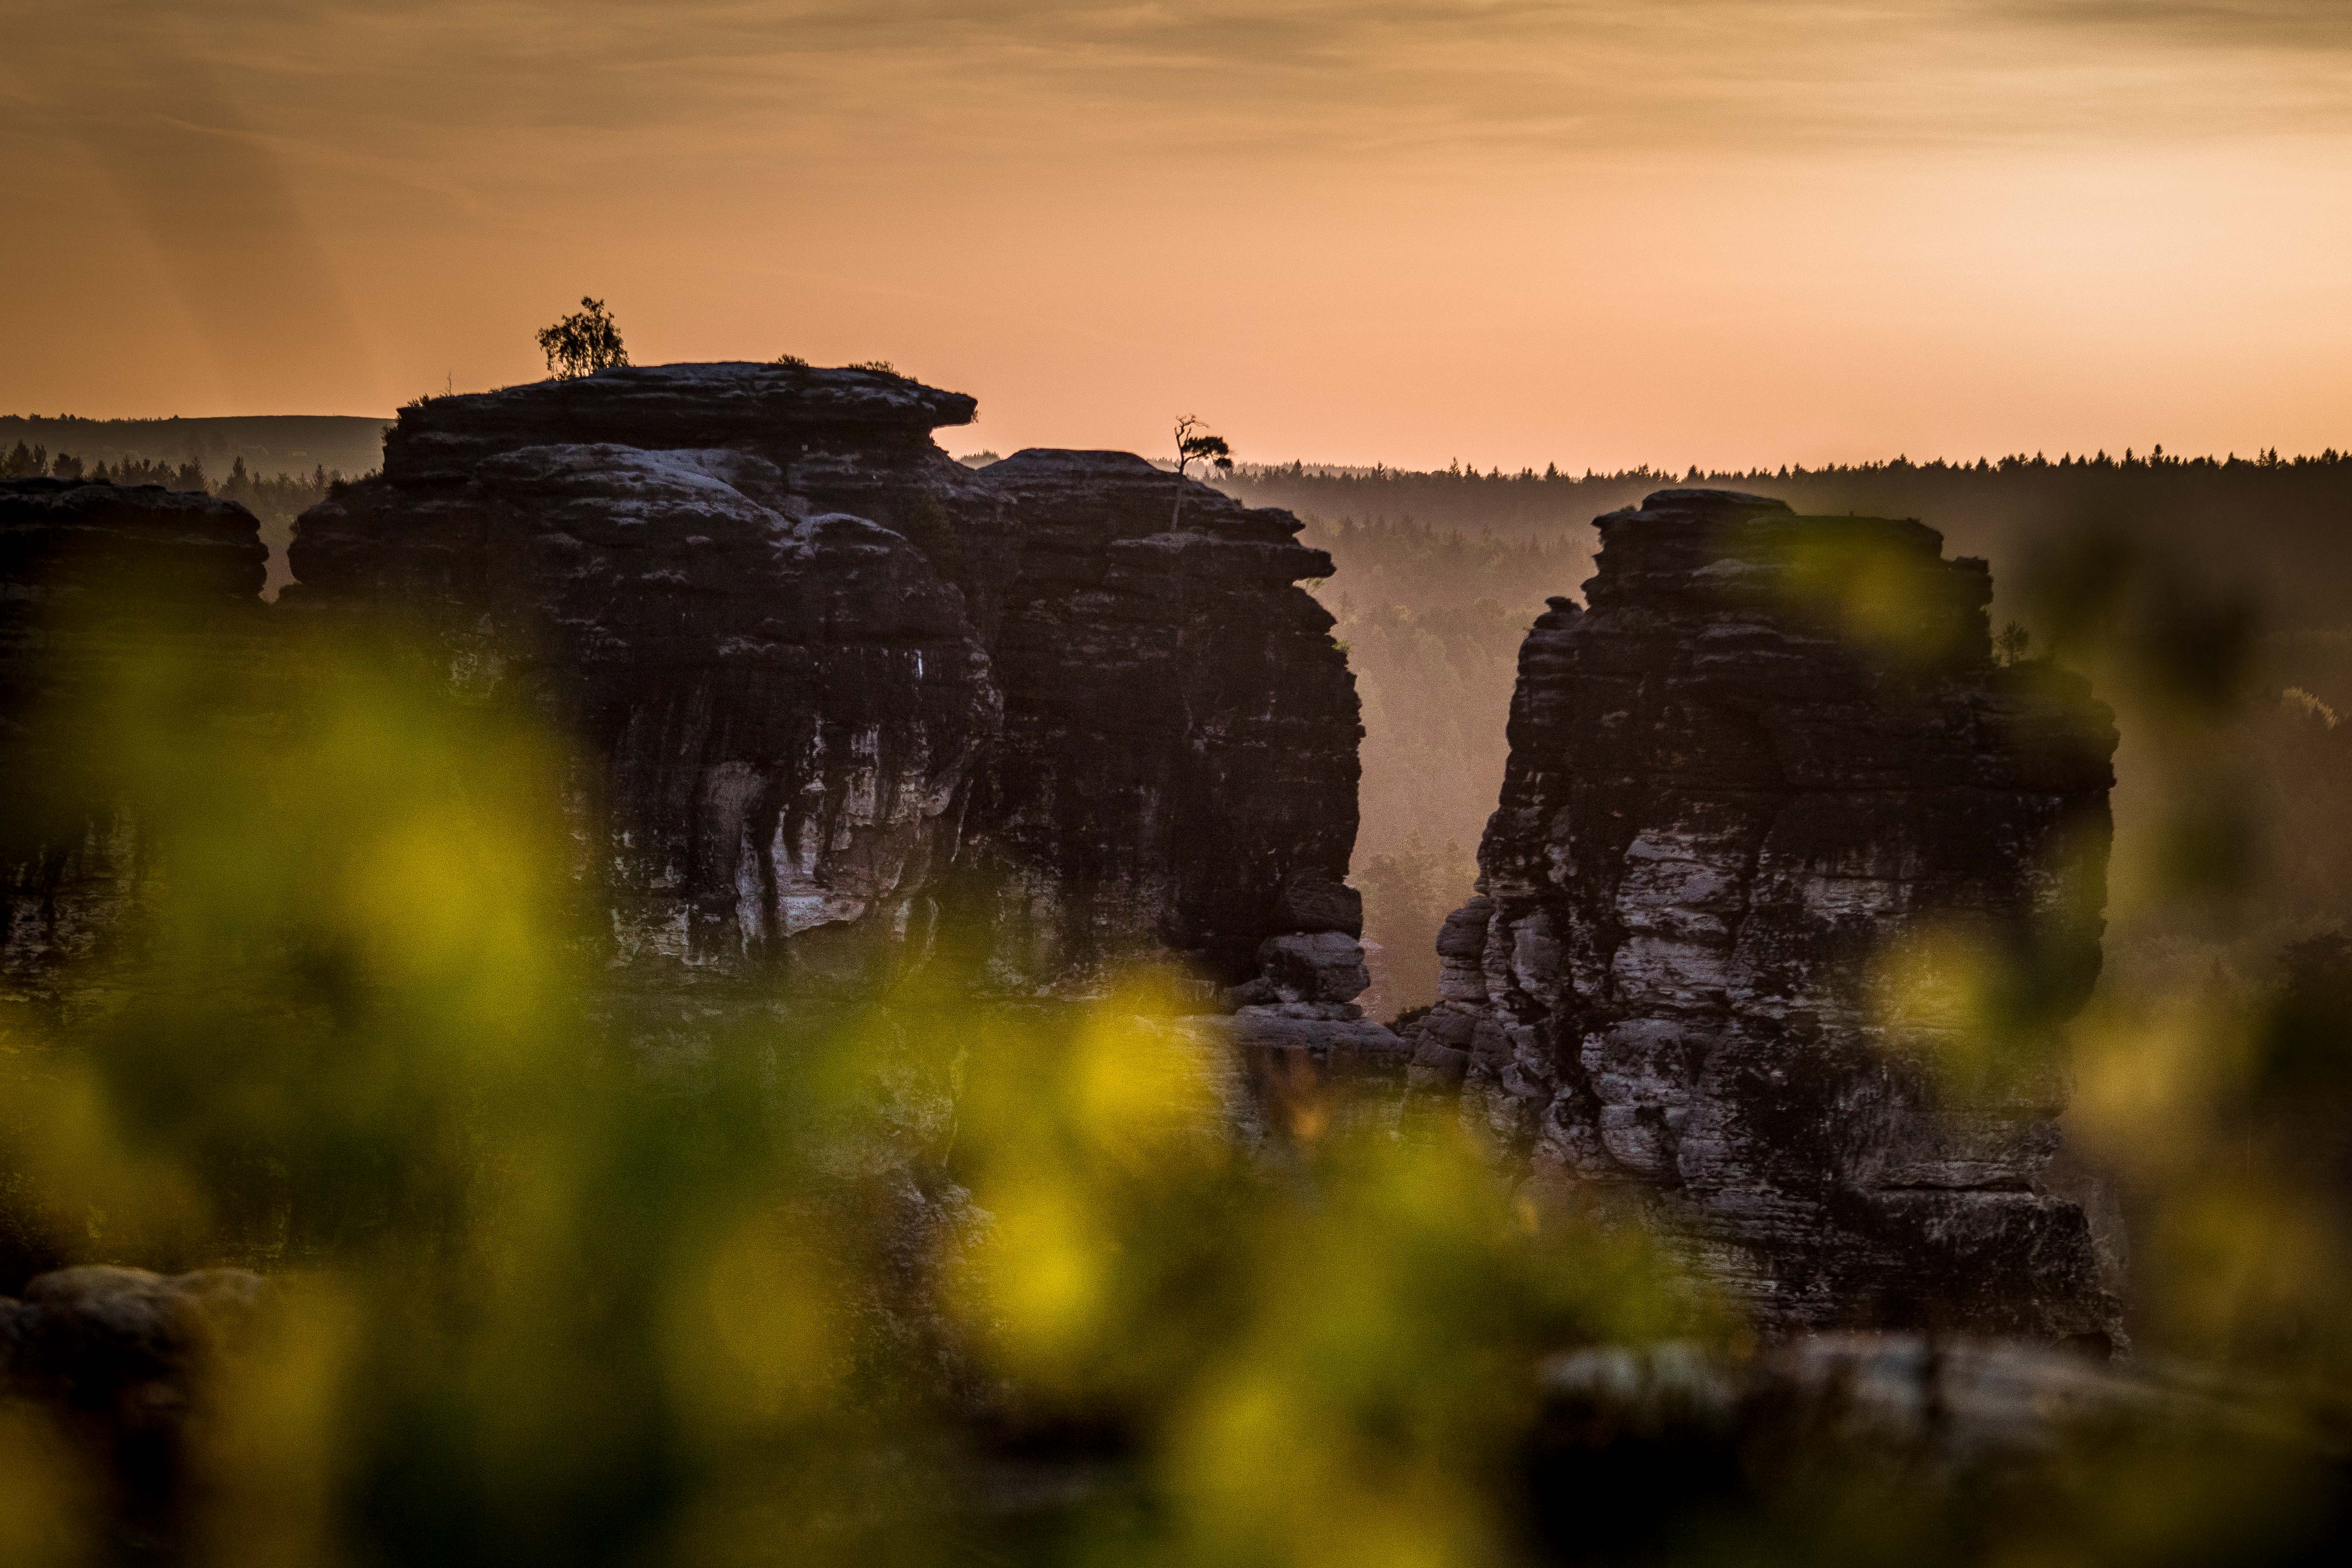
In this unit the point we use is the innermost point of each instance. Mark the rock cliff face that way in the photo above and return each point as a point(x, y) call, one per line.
point(89, 573)
point(1178, 769)
point(1770, 804)
point(781, 702)
point(837, 692)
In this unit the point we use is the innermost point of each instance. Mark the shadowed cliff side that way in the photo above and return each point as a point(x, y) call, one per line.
point(88, 573)
point(777, 704)
point(91, 576)
point(837, 693)
point(1180, 731)
point(1775, 835)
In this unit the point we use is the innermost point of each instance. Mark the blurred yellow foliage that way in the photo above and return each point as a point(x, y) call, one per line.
point(539, 1297)
point(45, 1506)
point(791, 1291)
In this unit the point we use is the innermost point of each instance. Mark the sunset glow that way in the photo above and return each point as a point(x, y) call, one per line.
point(1507, 231)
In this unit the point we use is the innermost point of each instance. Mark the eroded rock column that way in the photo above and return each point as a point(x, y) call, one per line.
point(841, 701)
point(1772, 816)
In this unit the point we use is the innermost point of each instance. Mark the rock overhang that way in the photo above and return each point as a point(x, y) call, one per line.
point(781, 410)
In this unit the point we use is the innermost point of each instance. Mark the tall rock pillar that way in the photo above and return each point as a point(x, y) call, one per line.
point(1771, 816)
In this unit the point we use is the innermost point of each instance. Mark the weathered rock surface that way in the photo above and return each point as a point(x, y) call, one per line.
point(1177, 767)
point(855, 441)
point(1909, 1398)
point(838, 694)
point(1769, 803)
point(782, 704)
point(117, 1340)
point(1918, 1447)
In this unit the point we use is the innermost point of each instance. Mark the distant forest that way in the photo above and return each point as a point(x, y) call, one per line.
point(276, 501)
point(273, 464)
point(1439, 574)
point(269, 444)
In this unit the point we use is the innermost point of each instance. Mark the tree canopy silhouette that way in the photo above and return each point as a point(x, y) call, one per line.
point(583, 342)
point(1195, 444)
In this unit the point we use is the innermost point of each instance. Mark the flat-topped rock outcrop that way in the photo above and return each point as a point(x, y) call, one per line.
point(839, 694)
point(1768, 799)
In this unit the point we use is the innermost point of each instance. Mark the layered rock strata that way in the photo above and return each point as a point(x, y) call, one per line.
point(780, 703)
point(839, 695)
point(1773, 823)
point(1178, 769)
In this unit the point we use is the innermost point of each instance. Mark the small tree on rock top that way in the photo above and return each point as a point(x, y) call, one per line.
point(1195, 444)
point(583, 342)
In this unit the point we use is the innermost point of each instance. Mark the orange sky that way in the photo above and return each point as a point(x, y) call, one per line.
point(1511, 231)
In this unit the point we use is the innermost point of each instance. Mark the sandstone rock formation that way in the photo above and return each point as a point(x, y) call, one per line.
point(1769, 805)
point(89, 574)
point(1178, 769)
point(841, 696)
point(1908, 1447)
point(782, 702)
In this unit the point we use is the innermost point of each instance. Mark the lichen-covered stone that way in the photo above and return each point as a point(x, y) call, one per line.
point(1768, 799)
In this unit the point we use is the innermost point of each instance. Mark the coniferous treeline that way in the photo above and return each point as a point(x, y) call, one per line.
point(2279, 525)
point(274, 501)
point(34, 462)
point(293, 443)
point(288, 493)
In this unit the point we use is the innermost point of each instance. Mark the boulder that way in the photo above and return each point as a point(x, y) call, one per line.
point(119, 1360)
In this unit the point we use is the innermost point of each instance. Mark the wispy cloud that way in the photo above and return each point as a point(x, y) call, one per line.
point(464, 161)
point(1007, 77)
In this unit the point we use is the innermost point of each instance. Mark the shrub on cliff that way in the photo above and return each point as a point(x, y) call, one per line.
point(583, 342)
